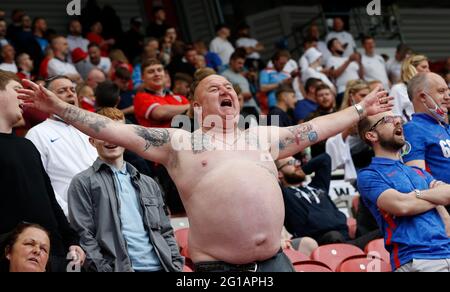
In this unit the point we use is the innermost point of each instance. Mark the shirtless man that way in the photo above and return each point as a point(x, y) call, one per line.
point(232, 197)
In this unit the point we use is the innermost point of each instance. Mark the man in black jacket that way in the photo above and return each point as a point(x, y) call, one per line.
point(26, 191)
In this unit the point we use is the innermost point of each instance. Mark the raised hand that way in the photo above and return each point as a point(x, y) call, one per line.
point(377, 102)
point(37, 97)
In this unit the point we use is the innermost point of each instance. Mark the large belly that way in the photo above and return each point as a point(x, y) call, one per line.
point(236, 214)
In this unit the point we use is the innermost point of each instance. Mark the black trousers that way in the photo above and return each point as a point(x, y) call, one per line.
point(278, 263)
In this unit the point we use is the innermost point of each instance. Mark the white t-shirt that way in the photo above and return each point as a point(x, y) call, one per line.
point(104, 65)
point(402, 103)
point(246, 43)
point(77, 42)
point(58, 67)
point(350, 73)
point(65, 152)
point(345, 38)
point(375, 69)
point(223, 48)
point(394, 69)
point(11, 67)
point(312, 73)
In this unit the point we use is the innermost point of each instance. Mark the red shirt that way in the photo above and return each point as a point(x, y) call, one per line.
point(146, 102)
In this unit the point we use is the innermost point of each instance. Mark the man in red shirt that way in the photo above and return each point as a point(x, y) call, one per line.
point(154, 107)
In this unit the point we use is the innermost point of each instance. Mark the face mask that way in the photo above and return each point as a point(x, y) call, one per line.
point(436, 112)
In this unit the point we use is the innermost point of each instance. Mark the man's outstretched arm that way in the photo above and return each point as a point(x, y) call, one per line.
point(291, 140)
point(150, 143)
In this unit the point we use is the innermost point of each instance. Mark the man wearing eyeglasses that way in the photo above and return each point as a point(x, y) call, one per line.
point(310, 212)
point(403, 200)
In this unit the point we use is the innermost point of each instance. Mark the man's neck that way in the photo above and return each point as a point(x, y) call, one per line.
point(39, 34)
point(222, 131)
point(60, 56)
point(5, 128)
point(311, 97)
point(370, 54)
point(159, 92)
point(288, 185)
point(389, 154)
point(8, 61)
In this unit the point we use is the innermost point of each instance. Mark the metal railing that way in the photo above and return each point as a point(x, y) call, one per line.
point(386, 26)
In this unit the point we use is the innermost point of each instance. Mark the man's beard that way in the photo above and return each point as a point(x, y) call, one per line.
point(392, 143)
point(340, 52)
point(294, 178)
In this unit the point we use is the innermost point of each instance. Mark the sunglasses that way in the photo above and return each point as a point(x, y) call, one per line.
point(292, 162)
point(387, 120)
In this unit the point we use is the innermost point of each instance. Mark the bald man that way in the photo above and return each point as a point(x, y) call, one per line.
point(226, 177)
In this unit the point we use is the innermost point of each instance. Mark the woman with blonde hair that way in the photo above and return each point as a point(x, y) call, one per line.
point(355, 91)
point(410, 67)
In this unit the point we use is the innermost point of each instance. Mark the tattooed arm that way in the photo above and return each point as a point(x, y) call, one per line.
point(150, 143)
point(286, 142)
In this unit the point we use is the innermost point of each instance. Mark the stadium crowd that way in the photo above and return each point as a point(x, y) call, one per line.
point(98, 192)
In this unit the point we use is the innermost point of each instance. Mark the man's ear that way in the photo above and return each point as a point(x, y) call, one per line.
point(7, 253)
point(422, 97)
point(91, 140)
point(280, 175)
point(371, 136)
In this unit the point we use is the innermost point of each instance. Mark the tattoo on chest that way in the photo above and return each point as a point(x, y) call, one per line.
point(153, 137)
point(95, 122)
point(201, 143)
point(300, 133)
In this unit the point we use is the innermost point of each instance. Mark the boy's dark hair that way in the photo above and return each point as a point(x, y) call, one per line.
point(183, 77)
point(149, 62)
point(107, 94)
point(282, 89)
point(312, 82)
point(123, 73)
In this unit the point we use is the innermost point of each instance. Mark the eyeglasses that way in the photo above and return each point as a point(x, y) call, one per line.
point(387, 120)
point(292, 162)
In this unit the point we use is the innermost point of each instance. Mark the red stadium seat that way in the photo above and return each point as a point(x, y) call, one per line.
point(376, 247)
point(181, 235)
point(363, 264)
point(333, 254)
point(351, 223)
point(295, 255)
point(311, 266)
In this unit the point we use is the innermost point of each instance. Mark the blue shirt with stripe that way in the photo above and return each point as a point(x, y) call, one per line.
point(421, 236)
point(429, 140)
